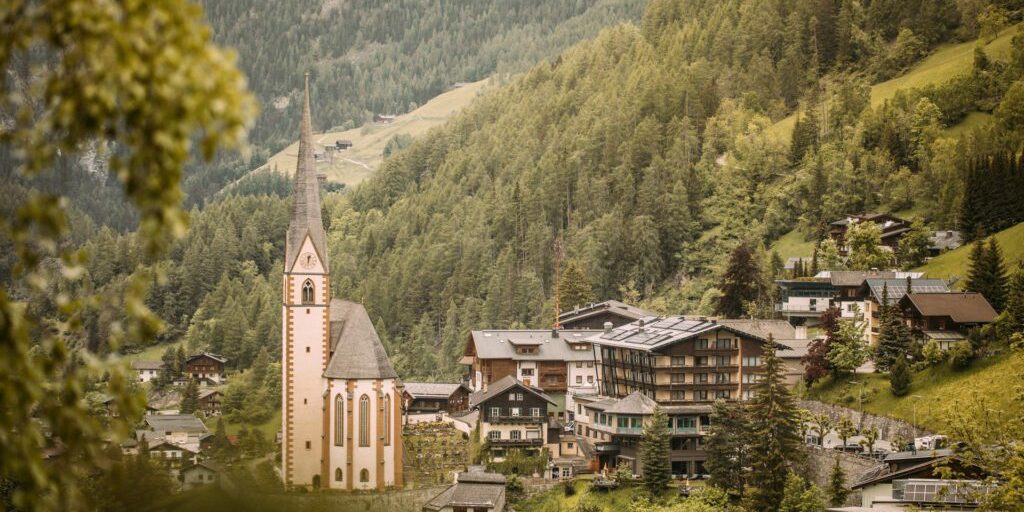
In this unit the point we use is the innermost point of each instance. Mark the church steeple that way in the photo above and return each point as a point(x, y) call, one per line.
point(305, 215)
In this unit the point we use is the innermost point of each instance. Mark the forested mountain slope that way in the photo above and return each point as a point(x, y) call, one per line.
point(647, 152)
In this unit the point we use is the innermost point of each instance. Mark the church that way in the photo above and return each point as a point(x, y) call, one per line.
point(340, 397)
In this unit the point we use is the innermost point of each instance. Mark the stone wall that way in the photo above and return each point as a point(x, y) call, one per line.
point(407, 500)
point(820, 463)
point(888, 428)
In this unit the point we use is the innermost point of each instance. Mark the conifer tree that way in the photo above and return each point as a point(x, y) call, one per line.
point(189, 398)
point(801, 496)
point(741, 284)
point(726, 444)
point(893, 335)
point(900, 377)
point(837, 490)
point(574, 286)
point(654, 453)
point(987, 274)
point(1015, 300)
point(775, 443)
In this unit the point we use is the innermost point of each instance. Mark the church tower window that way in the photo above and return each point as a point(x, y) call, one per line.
point(364, 475)
point(339, 421)
point(387, 420)
point(364, 421)
point(337, 474)
point(307, 292)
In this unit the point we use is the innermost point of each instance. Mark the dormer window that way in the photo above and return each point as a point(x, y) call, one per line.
point(307, 292)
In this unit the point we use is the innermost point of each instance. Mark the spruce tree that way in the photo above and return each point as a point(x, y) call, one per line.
point(654, 453)
point(775, 443)
point(801, 496)
point(574, 286)
point(995, 275)
point(837, 491)
point(1015, 300)
point(900, 377)
point(189, 398)
point(976, 281)
point(893, 335)
point(726, 445)
point(741, 284)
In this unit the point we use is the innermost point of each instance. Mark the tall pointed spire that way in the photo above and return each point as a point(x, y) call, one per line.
point(305, 218)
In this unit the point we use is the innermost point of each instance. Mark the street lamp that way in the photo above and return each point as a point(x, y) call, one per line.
point(860, 402)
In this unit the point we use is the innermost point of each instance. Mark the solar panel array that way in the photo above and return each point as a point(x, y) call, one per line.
point(657, 331)
point(936, 491)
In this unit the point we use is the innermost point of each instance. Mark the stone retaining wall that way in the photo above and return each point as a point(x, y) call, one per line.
point(888, 428)
point(820, 463)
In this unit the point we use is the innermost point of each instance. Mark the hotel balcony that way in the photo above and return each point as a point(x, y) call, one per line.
point(516, 442)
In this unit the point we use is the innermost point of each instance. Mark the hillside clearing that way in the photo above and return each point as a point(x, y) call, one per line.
point(354, 165)
point(945, 63)
point(954, 264)
point(793, 244)
point(935, 391)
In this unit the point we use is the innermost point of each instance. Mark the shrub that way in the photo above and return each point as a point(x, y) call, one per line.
point(900, 377)
point(932, 353)
point(569, 488)
point(961, 355)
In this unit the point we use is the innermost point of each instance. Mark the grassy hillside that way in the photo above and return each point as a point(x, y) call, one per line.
point(793, 244)
point(934, 391)
point(940, 66)
point(955, 263)
point(359, 162)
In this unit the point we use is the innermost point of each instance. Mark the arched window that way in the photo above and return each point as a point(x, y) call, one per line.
point(364, 421)
point(387, 420)
point(337, 475)
point(307, 292)
point(339, 421)
point(364, 475)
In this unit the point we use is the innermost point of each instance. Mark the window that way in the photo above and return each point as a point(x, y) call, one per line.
point(752, 361)
point(364, 475)
point(494, 434)
point(678, 378)
point(339, 421)
point(722, 378)
point(515, 411)
point(701, 344)
point(700, 361)
point(309, 445)
point(579, 365)
point(723, 360)
point(495, 412)
point(686, 422)
point(579, 379)
point(749, 393)
point(337, 474)
point(527, 372)
point(307, 292)
point(590, 379)
point(751, 378)
point(535, 412)
point(590, 364)
point(678, 395)
point(515, 435)
point(364, 421)
point(387, 420)
point(700, 378)
point(519, 397)
point(700, 395)
point(723, 394)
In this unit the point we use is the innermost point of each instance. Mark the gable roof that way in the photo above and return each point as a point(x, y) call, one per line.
point(614, 307)
point(502, 385)
point(175, 423)
point(147, 365)
point(857, 277)
point(655, 333)
point(962, 307)
point(215, 357)
point(633, 403)
point(551, 345)
point(897, 288)
point(358, 352)
point(305, 213)
point(431, 389)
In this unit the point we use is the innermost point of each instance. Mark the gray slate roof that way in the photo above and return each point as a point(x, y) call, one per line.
point(778, 329)
point(147, 365)
point(215, 357)
point(634, 403)
point(305, 214)
point(500, 344)
point(431, 389)
point(655, 333)
point(595, 308)
point(502, 385)
point(175, 423)
point(946, 240)
point(857, 277)
point(358, 352)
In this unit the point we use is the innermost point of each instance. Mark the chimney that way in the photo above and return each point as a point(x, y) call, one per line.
point(607, 327)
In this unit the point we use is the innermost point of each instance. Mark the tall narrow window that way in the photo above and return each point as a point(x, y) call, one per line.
point(337, 474)
point(307, 292)
point(339, 421)
point(387, 420)
point(364, 421)
point(364, 475)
